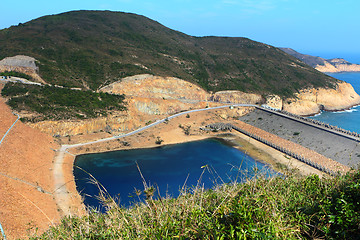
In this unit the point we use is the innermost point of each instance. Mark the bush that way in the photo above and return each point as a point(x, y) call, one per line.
point(61, 103)
point(159, 140)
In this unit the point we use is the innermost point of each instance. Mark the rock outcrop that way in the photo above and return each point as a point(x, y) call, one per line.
point(274, 101)
point(140, 111)
point(148, 98)
point(22, 64)
point(312, 101)
point(237, 97)
point(149, 86)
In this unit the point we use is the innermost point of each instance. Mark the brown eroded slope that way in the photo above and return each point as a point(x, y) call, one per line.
point(25, 177)
point(149, 97)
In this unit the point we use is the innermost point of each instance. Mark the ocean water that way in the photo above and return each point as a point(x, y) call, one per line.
point(348, 119)
point(168, 168)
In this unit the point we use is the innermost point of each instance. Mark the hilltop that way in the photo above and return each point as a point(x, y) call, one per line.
point(91, 49)
point(324, 65)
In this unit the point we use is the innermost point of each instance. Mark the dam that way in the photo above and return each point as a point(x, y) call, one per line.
point(338, 145)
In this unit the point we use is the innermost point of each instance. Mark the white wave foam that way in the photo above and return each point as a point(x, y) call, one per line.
point(354, 109)
point(318, 114)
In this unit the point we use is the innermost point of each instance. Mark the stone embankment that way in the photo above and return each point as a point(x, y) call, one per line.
point(292, 149)
point(332, 142)
point(346, 133)
point(289, 148)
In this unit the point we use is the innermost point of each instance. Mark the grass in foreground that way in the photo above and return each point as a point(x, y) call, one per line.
point(291, 208)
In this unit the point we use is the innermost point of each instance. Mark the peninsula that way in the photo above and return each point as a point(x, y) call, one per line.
point(333, 65)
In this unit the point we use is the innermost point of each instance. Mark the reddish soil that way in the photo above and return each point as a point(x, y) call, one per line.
point(26, 157)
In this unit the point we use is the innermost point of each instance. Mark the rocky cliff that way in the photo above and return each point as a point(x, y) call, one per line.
point(311, 101)
point(148, 98)
point(149, 86)
point(151, 97)
point(139, 112)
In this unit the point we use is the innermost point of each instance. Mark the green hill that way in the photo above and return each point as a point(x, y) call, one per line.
point(90, 49)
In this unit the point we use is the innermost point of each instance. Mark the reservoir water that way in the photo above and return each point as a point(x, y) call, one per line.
point(348, 119)
point(168, 168)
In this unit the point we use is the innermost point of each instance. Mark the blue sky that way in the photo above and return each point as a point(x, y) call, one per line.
point(326, 28)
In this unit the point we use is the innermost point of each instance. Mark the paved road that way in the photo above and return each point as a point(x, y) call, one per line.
point(18, 80)
point(2, 139)
point(65, 147)
point(61, 193)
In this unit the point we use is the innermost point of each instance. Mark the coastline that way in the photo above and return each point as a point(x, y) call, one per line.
point(337, 110)
point(70, 202)
point(340, 72)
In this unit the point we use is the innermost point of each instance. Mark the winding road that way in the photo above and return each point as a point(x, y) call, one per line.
point(61, 193)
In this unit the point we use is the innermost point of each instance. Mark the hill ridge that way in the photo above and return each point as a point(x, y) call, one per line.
point(91, 49)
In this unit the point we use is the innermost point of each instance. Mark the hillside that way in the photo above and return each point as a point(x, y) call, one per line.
point(91, 49)
point(324, 65)
point(26, 200)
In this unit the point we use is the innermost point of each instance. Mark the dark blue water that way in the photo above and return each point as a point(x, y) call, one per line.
point(349, 119)
point(167, 168)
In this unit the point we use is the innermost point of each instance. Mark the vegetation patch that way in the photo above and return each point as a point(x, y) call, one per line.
point(277, 208)
point(54, 103)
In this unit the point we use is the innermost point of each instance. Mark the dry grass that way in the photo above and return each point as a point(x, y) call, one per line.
point(276, 208)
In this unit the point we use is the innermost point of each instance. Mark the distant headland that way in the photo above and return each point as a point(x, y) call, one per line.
point(333, 65)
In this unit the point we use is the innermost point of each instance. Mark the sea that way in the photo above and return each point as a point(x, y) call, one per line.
point(347, 119)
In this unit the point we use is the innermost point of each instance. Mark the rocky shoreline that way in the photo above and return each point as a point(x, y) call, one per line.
point(312, 101)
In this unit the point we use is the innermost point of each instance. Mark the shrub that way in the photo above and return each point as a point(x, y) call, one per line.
point(158, 140)
point(61, 103)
